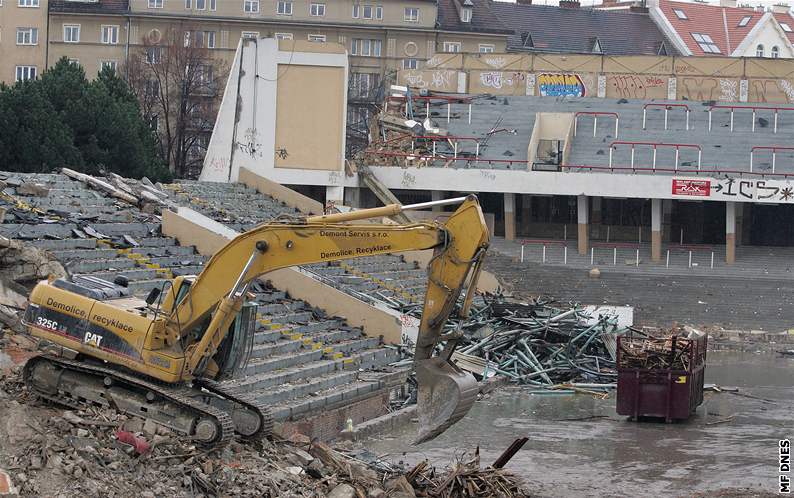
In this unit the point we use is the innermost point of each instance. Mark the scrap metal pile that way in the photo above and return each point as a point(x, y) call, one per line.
point(536, 343)
point(674, 352)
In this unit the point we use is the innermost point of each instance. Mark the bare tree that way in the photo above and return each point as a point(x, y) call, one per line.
point(178, 80)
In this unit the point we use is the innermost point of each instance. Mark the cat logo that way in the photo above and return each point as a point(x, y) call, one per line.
point(92, 339)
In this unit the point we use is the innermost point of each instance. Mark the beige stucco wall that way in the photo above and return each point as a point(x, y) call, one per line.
point(309, 91)
point(12, 55)
point(90, 52)
point(291, 198)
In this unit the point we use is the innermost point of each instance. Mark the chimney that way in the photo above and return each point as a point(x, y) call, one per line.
point(639, 8)
point(569, 4)
point(781, 8)
point(728, 3)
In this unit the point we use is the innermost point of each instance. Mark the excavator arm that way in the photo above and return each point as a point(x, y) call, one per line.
point(446, 393)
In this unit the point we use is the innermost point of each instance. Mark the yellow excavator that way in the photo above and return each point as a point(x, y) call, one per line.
point(163, 358)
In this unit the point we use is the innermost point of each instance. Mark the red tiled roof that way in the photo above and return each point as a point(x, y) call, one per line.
point(786, 17)
point(720, 23)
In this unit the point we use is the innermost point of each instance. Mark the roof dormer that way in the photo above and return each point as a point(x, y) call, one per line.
point(465, 10)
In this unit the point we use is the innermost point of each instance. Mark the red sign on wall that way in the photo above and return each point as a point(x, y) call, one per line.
point(697, 188)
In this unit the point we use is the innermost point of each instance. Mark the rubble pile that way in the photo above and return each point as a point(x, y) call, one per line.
point(97, 452)
point(535, 343)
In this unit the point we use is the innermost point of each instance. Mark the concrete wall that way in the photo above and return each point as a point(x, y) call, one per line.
point(259, 126)
point(192, 228)
point(549, 126)
point(291, 198)
point(726, 79)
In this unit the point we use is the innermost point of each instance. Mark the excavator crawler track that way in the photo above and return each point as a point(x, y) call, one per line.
point(181, 396)
point(249, 402)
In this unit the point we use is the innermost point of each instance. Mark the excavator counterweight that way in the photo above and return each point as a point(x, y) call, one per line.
point(164, 357)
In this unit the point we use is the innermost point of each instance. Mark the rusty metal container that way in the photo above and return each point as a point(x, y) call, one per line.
point(668, 393)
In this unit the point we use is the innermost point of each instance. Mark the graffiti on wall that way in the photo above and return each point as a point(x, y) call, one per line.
point(708, 88)
point(499, 79)
point(561, 85)
point(771, 90)
point(636, 86)
point(736, 189)
point(497, 62)
point(436, 79)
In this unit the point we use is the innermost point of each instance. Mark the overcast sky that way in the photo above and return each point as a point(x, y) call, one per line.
point(588, 3)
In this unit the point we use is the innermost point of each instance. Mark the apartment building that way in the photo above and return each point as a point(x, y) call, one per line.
point(380, 37)
point(23, 39)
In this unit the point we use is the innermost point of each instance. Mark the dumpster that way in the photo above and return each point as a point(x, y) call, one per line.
point(660, 377)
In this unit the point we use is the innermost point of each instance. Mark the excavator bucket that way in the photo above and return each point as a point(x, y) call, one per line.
point(446, 394)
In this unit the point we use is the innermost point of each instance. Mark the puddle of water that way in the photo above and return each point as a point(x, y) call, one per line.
point(612, 456)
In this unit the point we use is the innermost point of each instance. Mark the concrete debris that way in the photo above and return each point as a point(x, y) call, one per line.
point(22, 263)
point(135, 192)
point(7, 487)
point(83, 453)
point(34, 189)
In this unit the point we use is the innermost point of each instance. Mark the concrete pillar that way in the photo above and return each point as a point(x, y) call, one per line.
point(437, 195)
point(581, 210)
point(667, 218)
point(656, 230)
point(510, 216)
point(739, 223)
point(334, 195)
point(526, 213)
point(353, 197)
point(730, 232)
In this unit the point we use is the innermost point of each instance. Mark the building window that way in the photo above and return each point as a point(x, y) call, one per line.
point(706, 43)
point(745, 20)
point(209, 36)
point(151, 88)
point(317, 38)
point(188, 4)
point(366, 12)
point(283, 36)
point(378, 12)
point(355, 10)
point(155, 4)
point(27, 36)
point(250, 35)
point(213, 4)
point(204, 74)
point(410, 64)
point(365, 48)
point(486, 48)
point(76, 62)
point(108, 64)
point(465, 14)
point(759, 51)
point(154, 55)
point(775, 52)
point(317, 9)
point(110, 34)
point(284, 8)
point(201, 4)
point(451, 47)
point(26, 73)
point(71, 33)
point(363, 84)
point(680, 14)
point(411, 14)
point(29, 3)
point(785, 27)
point(251, 6)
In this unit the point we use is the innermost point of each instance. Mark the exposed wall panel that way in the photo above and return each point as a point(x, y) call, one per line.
point(309, 117)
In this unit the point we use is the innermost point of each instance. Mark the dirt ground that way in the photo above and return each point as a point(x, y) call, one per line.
point(578, 445)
